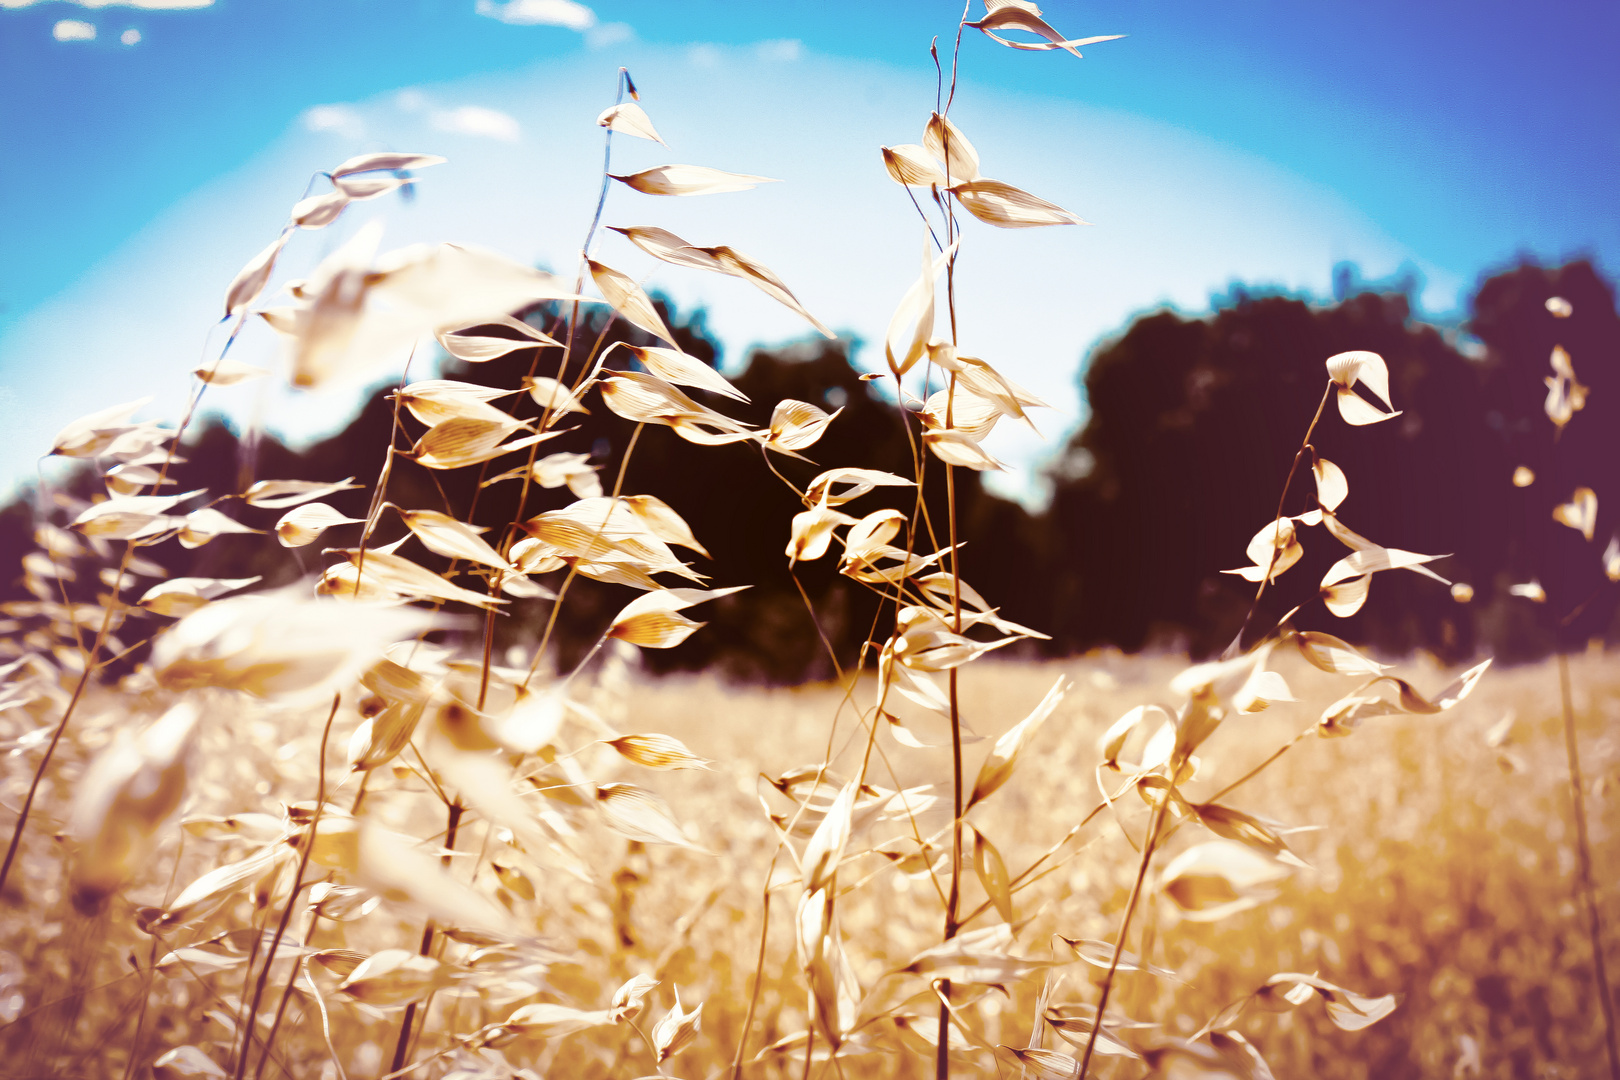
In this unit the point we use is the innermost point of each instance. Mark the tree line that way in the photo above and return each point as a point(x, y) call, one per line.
point(1191, 427)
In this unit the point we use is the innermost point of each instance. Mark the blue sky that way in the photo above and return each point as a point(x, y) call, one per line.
point(137, 163)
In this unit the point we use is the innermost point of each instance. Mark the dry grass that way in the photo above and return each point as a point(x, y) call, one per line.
point(335, 835)
point(1440, 874)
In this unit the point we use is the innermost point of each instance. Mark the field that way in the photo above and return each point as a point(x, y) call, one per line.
point(1441, 871)
point(370, 790)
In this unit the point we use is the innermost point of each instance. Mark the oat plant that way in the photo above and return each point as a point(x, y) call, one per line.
point(940, 624)
point(1566, 396)
point(337, 829)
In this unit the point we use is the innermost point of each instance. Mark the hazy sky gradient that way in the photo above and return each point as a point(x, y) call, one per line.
point(1258, 141)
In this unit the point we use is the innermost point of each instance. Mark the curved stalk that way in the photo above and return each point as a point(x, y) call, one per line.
point(67, 715)
point(403, 1045)
point(286, 911)
point(1236, 647)
point(1252, 773)
point(942, 1056)
point(1583, 867)
point(573, 572)
point(759, 970)
point(298, 963)
point(1124, 929)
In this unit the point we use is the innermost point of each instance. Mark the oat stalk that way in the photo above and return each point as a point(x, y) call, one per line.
point(1149, 845)
point(1236, 646)
point(1583, 867)
point(251, 1019)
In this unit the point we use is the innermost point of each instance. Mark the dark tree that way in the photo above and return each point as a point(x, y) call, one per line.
point(1193, 424)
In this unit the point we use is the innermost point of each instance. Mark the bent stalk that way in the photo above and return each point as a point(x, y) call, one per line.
point(1583, 868)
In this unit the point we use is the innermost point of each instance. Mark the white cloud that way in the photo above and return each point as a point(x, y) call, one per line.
point(782, 50)
point(342, 120)
point(73, 30)
point(130, 37)
point(704, 56)
point(609, 34)
point(478, 120)
point(564, 13)
point(774, 51)
point(148, 5)
point(1179, 217)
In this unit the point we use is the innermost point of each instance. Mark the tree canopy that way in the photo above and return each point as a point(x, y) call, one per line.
point(1191, 428)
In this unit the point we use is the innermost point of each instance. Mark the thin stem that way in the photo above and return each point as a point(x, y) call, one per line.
point(151, 967)
point(646, 1043)
point(939, 74)
point(379, 494)
point(942, 1056)
point(1276, 552)
point(1028, 875)
point(298, 962)
point(1125, 929)
point(199, 980)
point(581, 385)
point(403, 1045)
point(195, 400)
point(488, 659)
point(919, 511)
point(90, 667)
point(326, 1023)
point(446, 1052)
point(1575, 612)
point(579, 667)
point(956, 53)
point(607, 165)
point(360, 793)
point(286, 911)
point(42, 513)
point(942, 1060)
point(759, 970)
point(573, 571)
point(620, 82)
point(247, 969)
point(929, 225)
point(1252, 773)
point(832, 654)
point(67, 715)
point(1583, 867)
point(765, 455)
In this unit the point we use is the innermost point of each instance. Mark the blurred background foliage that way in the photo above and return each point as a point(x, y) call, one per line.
point(1192, 424)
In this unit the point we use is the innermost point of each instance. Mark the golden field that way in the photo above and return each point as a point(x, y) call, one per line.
point(350, 825)
point(1441, 870)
